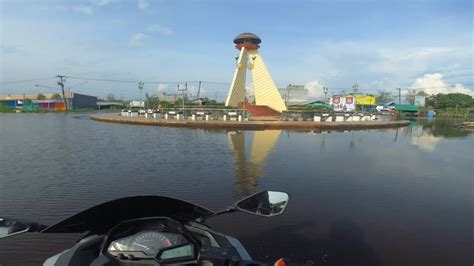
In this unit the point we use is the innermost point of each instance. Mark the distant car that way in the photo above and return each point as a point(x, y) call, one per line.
point(149, 111)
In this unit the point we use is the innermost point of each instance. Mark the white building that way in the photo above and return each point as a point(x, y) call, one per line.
point(137, 104)
point(294, 95)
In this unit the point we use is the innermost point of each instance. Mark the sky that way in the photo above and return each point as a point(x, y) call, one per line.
point(380, 45)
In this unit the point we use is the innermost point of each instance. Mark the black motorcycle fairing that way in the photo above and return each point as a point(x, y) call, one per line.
point(83, 253)
point(101, 218)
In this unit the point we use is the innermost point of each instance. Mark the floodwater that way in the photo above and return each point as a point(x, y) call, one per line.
point(374, 197)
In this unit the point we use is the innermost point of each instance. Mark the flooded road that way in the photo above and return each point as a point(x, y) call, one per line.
point(374, 197)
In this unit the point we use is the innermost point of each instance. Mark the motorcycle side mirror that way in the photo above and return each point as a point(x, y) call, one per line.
point(9, 227)
point(265, 203)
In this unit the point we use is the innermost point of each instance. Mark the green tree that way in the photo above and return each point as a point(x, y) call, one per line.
point(166, 104)
point(110, 97)
point(410, 96)
point(179, 102)
point(458, 100)
point(384, 97)
point(56, 96)
point(41, 97)
point(152, 101)
point(422, 93)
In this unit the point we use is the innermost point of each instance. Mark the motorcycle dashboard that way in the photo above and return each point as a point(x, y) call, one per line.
point(154, 239)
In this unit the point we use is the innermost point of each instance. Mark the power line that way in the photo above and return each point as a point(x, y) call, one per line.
point(128, 81)
point(403, 88)
point(106, 80)
point(25, 80)
point(217, 83)
point(135, 81)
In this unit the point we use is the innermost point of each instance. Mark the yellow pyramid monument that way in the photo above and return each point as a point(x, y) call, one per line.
point(266, 92)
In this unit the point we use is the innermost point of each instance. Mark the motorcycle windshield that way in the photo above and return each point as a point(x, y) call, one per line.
point(101, 218)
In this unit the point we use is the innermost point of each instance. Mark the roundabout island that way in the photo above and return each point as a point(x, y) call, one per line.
point(268, 110)
point(250, 124)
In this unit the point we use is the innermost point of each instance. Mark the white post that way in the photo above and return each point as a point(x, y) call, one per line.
point(166, 116)
point(193, 117)
point(207, 117)
point(225, 117)
point(146, 115)
point(177, 116)
point(240, 118)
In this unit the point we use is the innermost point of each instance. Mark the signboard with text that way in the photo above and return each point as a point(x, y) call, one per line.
point(365, 100)
point(349, 104)
point(337, 103)
point(343, 103)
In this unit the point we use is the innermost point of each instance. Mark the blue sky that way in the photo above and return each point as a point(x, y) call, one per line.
point(378, 44)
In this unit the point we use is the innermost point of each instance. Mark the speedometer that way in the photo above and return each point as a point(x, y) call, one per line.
point(145, 244)
point(149, 242)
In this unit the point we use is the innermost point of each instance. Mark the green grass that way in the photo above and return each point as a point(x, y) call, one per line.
point(454, 112)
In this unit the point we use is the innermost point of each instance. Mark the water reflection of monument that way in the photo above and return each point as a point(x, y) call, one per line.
point(249, 166)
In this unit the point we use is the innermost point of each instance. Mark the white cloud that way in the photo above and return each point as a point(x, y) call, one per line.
point(315, 89)
point(161, 87)
point(160, 29)
point(102, 2)
point(434, 84)
point(84, 9)
point(137, 40)
point(425, 142)
point(143, 4)
point(381, 66)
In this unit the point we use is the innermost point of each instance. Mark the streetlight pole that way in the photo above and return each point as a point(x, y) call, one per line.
point(325, 90)
point(355, 90)
point(140, 88)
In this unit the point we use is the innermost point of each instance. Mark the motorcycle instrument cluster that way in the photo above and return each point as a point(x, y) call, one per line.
point(159, 239)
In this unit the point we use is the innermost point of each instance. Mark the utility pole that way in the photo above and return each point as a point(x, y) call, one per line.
point(355, 88)
point(61, 81)
point(185, 89)
point(399, 95)
point(325, 90)
point(287, 98)
point(199, 90)
point(140, 88)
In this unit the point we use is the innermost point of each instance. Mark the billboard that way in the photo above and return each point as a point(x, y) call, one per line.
point(349, 105)
point(343, 103)
point(365, 100)
point(337, 103)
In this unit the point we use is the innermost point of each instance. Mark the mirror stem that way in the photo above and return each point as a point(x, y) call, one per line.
point(228, 210)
